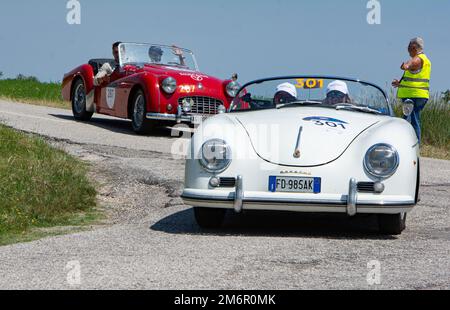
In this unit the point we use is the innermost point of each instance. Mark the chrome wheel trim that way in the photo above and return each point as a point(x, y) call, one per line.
point(138, 111)
point(79, 99)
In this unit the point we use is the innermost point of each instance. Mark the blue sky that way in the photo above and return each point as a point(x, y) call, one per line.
point(254, 38)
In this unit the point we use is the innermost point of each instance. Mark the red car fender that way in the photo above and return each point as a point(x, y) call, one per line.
point(150, 85)
point(85, 72)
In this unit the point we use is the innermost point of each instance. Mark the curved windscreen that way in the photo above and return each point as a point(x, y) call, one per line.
point(141, 54)
point(334, 93)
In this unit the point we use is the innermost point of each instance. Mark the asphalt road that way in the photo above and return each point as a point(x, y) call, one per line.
point(152, 242)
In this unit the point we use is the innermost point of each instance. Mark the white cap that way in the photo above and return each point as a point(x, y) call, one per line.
point(289, 88)
point(339, 86)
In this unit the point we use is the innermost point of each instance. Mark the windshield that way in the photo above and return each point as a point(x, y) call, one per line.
point(335, 93)
point(141, 54)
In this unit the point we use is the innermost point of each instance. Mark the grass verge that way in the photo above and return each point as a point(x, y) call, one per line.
point(435, 122)
point(30, 90)
point(40, 188)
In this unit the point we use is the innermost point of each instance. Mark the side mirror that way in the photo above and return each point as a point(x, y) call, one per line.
point(408, 107)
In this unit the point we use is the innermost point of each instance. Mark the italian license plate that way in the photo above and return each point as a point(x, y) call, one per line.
point(295, 185)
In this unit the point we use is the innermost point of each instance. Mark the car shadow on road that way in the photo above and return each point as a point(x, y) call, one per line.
point(278, 224)
point(119, 126)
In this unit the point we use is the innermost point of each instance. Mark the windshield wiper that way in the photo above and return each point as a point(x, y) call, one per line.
point(357, 108)
point(308, 102)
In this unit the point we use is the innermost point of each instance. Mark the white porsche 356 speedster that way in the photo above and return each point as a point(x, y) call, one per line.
point(305, 144)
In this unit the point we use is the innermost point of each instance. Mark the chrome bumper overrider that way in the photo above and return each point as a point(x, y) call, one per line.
point(349, 204)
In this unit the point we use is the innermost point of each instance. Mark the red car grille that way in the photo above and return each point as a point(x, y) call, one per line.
point(202, 105)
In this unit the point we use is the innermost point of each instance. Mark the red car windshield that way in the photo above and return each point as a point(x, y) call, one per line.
point(172, 56)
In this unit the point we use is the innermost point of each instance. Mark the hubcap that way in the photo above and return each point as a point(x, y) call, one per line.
point(79, 98)
point(139, 111)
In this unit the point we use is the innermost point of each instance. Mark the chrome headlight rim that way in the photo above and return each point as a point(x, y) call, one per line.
point(393, 169)
point(232, 89)
point(169, 85)
point(227, 159)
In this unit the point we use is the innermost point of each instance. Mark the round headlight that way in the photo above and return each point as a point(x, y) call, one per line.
point(169, 85)
point(233, 88)
point(215, 156)
point(381, 160)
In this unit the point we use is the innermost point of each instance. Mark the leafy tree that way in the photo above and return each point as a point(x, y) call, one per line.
point(1, 74)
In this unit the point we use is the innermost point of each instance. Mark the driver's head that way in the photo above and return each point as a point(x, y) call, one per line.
point(337, 92)
point(155, 53)
point(115, 51)
point(285, 93)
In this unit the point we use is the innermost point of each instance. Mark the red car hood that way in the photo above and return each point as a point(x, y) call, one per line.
point(182, 75)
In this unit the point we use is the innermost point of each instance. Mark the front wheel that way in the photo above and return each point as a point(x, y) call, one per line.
point(138, 117)
point(209, 218)
point(79, 102)
point(392, 224)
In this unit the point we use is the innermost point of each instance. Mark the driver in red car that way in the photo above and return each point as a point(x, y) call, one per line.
point(107, 73)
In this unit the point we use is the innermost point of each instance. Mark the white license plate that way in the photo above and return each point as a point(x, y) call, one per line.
point(295, 185)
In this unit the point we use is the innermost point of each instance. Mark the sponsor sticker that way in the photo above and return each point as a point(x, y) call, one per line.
point(110, 96)
point(328, 122)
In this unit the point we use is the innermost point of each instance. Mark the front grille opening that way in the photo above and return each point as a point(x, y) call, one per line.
point(366, 187)
point(203, 105)
point(227, 182)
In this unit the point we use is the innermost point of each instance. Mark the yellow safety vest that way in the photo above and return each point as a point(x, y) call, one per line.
point(416, 85)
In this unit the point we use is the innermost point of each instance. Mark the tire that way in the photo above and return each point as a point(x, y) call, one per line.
point(79, 102)
point(209, 218)
point(392, 224)
point(138, 111)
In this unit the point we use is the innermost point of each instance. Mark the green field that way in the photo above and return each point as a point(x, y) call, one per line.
point(40, 187)
point(30, 90)
point(435, 117)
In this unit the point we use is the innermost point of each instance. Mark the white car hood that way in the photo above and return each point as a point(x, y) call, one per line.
point(326, 133)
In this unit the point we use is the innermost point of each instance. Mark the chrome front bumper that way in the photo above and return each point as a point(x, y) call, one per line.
point(239, 200)
point(179, 117)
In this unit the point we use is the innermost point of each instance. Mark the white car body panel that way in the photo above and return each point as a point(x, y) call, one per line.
point(334, 154)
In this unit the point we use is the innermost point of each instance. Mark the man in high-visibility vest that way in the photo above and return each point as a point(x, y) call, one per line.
point(415, 83)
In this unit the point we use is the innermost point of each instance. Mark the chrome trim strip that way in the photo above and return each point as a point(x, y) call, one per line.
point(341, 203)
point(297, 152)
point(239, 195)
point(167, 117)
point(352, 198)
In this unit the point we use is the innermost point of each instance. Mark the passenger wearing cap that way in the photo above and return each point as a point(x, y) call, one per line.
point(337, 92)
point(285, 93)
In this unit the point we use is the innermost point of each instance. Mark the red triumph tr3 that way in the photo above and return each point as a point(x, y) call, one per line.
point(150, 84)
